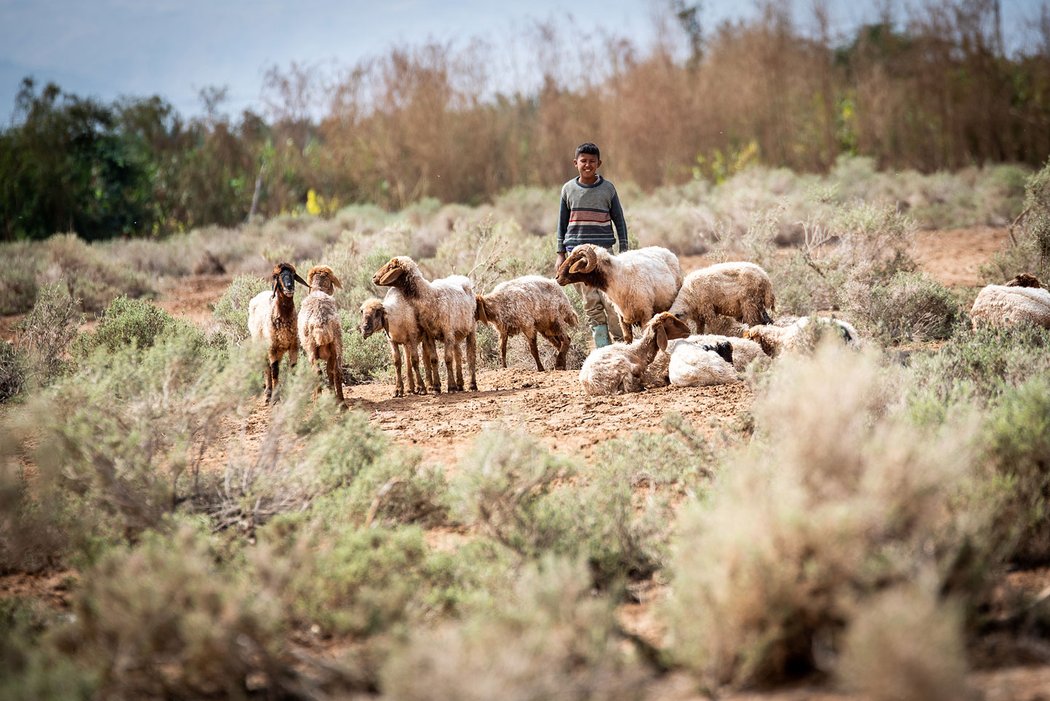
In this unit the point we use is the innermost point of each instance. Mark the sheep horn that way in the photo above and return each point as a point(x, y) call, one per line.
point(587, 264)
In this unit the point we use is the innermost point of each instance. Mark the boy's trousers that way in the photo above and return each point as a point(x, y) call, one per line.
point(599, 310)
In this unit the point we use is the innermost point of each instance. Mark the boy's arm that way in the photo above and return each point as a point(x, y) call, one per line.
point(563, 225)
point(616, 212)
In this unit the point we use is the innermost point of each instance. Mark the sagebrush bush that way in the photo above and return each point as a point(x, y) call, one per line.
point(906, 644)
point(1018, 447)
point(33, 669)
point(127, 322)
point(351, 581)
point(507, 489)
point(89, 274)
point(47, 332)
point(907, 306)
point(18, 286)
point(162, 620)
point(978, 364)
point(231, 311)
point(839, 497)
point(1030, 241)
point(549, 637)
point(13, 371)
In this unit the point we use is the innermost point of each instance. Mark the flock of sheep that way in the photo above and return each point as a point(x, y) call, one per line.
point(645, 286)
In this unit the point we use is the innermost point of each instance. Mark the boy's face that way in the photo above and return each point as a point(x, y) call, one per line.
point(587, 164)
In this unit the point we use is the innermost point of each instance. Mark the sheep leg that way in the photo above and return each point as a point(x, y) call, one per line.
point(395, 352)
point(561, 342)
point(450, 373)
point(272, 379)
point(534, 349)
point(628, 330)
point(431, 360)
point(415, 380)
point(457, 355)
point(268, 380)
point(472, 358)
point(503, 348)
point(335, 378)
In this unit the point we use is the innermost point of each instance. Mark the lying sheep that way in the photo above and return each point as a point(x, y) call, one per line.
point(801, 335)
point(271, 318)
point(639, 283)
point(743, 352)
point(529, 305)
point(700, 364)
point(321, 337)
point(445, 310)
point(1020, 301)
point(740, 290)
point(397, 318)
point(619, 367)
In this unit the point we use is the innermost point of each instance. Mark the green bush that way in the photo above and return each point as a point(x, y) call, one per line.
point(1029, 251)
point(907, 306)
point(549, 637)
point(231, 311)
point(126, 322)
point(33, 669)
point(1018, 447)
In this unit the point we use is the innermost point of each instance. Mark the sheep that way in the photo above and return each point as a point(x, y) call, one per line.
point(395, 316)
point(639, 283)
point(701, 364)
point(271, 318)
point(529, 305)
point(619, 367)
point(739, 290)
point(1021, 300)
point(800, 335)
point(445, 310)
point(321, 277)
point(743, 352)
point(321, 337)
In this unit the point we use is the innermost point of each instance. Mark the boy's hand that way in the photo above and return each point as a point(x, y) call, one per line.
point(561, 259)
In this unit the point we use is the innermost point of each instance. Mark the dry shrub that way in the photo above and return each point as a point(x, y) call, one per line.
point(163, 621)
point(1029, 235)
point(14, 367)
point(31, 669)
point(907, 306)
point(89, 274)
point(18, 286)
point(906, 645)
point(549, 637)
point(840, 497)
point(47, 331)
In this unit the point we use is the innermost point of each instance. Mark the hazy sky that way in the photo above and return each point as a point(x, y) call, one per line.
point(109, 48)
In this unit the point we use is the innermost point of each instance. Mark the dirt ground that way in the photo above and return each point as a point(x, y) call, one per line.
point(551, 407)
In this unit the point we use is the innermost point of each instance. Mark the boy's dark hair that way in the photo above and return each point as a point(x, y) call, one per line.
point(590, 149)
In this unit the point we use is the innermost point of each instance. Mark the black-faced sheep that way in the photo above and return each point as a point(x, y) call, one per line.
point(740, 290)
point(619, 367)
point(801, 335)
point(743, 351)
point(639, 283)
point(1020, 301)
point(700, 364)
point(445, 310)
point(529, 305)
point(272, 320)
point(321, 337)
point(397, 318)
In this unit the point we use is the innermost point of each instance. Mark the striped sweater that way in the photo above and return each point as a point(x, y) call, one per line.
point(588, 215)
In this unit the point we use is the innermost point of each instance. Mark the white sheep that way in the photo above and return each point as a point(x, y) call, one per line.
point(743, 352)
point(271, 319)
point(321, 337)
point(619, 367)
point(801, 335)
point(739, 290)
point(397, 318)
point(529, 305)
point(1020, 301)
point(445, 310)
point(639, 283)
point(321, 277)
point(701, 364)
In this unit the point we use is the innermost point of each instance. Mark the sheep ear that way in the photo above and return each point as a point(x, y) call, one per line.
point(481, 314)
point(276, 283)
point(661, 337)
point(335, 281)
point(301, 281)
point(381, 313)
point(388, 276)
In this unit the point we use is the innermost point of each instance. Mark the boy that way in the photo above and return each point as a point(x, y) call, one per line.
point(590, 208)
